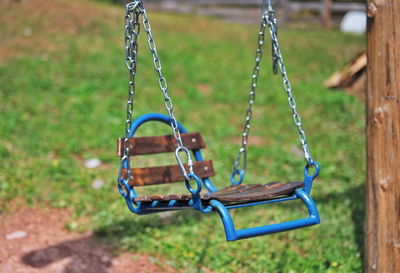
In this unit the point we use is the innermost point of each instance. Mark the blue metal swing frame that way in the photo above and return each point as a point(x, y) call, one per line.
point(232, 234)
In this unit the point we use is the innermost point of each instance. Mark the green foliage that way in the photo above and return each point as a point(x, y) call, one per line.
point(60, 110)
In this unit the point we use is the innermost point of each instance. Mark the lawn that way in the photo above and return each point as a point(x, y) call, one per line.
point(63, 88)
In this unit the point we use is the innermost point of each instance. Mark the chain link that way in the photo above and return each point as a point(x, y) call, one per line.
point(252, 97)
point(131, 32)
point(132, 28)
point(269, 16)
point(162, 82)
point(268, 19)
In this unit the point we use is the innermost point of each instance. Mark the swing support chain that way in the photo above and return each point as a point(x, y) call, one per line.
point(269, 20)
point(242, 154)
point(132, 28)
point(162, 82)
point(131, 32)
point(273, 29)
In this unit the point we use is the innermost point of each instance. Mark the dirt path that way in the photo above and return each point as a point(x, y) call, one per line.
point(34, 240)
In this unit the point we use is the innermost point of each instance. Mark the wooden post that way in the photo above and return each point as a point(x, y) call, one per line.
point(326, 13)
point(382, 237)
point(284, 15)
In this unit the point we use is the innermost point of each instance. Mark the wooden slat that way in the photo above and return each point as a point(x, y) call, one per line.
point(265, 192)
point(235, 189)
point(160, 144)
point(166, 198)
point(234, 194)
point(167, 174)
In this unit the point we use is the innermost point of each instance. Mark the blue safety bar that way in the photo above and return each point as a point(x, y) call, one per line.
point(232, 234)
point(223, 210)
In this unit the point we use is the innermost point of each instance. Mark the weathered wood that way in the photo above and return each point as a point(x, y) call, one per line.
point(160, 144)
point(349, 74)
point(382, 236)
point(317, 6)
point(167, 174)
point(248, 11)
point(236, 189)
point(234, 194)
point(284, 12)
point(353, 77)
point(292, 5)
point(326, 14)
point(260, 192)
point(169, 197)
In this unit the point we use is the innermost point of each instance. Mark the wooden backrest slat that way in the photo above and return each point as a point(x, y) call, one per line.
point(160, 144)
point(167, 174)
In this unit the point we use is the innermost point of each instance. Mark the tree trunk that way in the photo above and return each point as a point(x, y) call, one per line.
point(382, 237)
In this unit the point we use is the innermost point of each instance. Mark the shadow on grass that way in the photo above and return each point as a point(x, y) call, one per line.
point(356, 195)
point(203, 255)
point(86, 254)
point(129, 233)
point(139, 226)
point(136, 228)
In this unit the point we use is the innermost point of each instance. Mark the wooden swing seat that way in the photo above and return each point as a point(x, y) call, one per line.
point(203, 169)
point(234, 194)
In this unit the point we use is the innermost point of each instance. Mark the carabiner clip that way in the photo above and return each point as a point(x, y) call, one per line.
point(180, 163)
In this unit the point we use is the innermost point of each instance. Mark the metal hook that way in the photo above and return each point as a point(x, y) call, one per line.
point(180, 163)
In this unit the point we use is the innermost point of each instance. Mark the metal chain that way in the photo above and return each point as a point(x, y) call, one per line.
point(268, 19)
point(273, 45)
point(252, 96)
point(273, 30)
point(162, 82)
point(131, 32)
point(137, 8)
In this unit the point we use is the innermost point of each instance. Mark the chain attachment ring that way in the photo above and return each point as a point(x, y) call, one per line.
point(194, 177)
point(241, 177)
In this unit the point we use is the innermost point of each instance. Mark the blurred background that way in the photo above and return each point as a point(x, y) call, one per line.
point(63, 87)
point(306, 13)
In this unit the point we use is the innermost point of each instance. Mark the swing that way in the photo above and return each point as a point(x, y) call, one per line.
point(183, 143)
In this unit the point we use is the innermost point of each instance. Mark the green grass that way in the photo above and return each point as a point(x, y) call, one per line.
point(62, 106)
